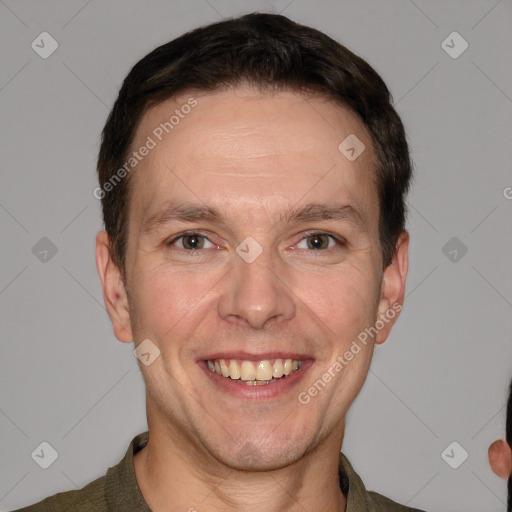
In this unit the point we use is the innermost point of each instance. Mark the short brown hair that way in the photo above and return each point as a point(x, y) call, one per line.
point(266, 51)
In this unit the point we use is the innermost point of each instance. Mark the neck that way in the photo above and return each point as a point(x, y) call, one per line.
point(189, 478)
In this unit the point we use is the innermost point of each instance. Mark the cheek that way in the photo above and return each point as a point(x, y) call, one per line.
point(176, 309)
point(346, 301)
point(163, 300)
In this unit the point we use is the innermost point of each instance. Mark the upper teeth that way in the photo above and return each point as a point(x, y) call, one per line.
point(253, 370)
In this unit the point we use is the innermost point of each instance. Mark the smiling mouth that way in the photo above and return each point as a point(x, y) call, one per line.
point(254, 373)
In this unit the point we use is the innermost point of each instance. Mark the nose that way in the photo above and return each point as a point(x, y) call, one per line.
point(257, 293)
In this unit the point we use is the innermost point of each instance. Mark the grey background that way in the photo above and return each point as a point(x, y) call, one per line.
point(442, 376)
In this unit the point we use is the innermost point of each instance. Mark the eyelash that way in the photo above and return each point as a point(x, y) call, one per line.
point(338, 240)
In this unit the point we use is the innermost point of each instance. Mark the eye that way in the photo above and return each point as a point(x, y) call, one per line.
point(320, 240)
point(191, 241)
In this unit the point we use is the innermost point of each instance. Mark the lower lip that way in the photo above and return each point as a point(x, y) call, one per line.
point(258, 392)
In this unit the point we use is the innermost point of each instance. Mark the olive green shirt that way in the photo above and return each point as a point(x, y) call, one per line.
point(118, 491)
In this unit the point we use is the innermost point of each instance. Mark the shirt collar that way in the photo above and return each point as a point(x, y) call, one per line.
point(123, 493)
point(358, 498)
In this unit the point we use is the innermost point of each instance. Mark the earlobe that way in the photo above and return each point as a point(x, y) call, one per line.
point(114, 291)
point(500, 458)
point(393, 288)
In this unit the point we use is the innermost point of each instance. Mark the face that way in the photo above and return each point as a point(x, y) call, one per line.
point(253, 238)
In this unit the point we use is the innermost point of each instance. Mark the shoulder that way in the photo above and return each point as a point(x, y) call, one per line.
point(116, 490)
point(383, 504)
point(90, 498)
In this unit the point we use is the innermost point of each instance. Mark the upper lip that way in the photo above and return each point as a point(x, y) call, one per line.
point(256, 357)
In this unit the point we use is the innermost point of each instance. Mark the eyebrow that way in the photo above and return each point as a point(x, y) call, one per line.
point(311, 212)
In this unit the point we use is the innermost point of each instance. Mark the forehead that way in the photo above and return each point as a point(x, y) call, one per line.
point(240, 148)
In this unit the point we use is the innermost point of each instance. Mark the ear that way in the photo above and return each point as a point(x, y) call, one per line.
point(500, 458)
point(114, 291)
point(393, 287)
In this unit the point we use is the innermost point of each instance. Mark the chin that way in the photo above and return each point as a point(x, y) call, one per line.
point(253, 456)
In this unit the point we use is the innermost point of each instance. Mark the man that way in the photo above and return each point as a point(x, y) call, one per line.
point(500, 452)
point(253, 175)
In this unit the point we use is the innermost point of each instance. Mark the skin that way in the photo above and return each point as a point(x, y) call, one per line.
point(253, 156)
point(500, 458)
